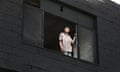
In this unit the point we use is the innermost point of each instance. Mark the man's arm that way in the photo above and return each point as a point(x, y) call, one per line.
point(73, 41)
point(61, 41)
point(61, 45)
point(74, 38)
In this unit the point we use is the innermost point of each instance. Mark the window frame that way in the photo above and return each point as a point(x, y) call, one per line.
point(96, 50)
point(96, 47)
point(24, 40)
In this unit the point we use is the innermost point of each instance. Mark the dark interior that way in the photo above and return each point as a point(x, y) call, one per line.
point(53, 25)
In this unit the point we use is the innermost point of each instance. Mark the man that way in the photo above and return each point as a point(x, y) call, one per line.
point(65, 42)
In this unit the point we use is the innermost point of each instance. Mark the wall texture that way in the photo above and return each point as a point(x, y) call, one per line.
point(16, 55)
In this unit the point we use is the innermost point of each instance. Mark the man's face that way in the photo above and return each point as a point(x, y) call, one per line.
point(67, 29)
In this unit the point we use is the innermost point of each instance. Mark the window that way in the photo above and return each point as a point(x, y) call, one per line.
point(48, 28)
point(53, 25)
point(85, 43)
point(32, 25)
point(87, 37)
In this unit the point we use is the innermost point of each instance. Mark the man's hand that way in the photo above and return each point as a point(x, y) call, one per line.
point(74, 38)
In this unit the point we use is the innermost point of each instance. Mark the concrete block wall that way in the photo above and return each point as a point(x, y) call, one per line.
point(21, 57)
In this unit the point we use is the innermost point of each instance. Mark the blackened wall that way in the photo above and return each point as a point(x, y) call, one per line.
point(16, 55)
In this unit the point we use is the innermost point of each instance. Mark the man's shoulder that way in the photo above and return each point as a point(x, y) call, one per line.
point(62, 33)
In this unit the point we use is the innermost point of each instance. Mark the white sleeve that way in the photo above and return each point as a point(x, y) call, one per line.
point(61, 36)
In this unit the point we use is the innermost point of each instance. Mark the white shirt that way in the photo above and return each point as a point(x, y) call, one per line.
point(67, 41)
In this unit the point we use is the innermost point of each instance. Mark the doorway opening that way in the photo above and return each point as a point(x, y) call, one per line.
point(53, 26)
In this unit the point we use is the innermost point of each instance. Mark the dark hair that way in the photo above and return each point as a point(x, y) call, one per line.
point(67, 27)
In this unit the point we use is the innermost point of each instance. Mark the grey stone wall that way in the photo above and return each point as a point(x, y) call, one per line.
point(16, 55)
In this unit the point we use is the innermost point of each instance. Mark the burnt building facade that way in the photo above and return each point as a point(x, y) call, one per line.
point(29, 31)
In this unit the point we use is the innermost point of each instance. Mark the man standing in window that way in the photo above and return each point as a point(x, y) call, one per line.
point(65, 42)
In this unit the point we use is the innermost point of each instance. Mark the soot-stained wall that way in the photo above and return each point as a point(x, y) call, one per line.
point(19, 56)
